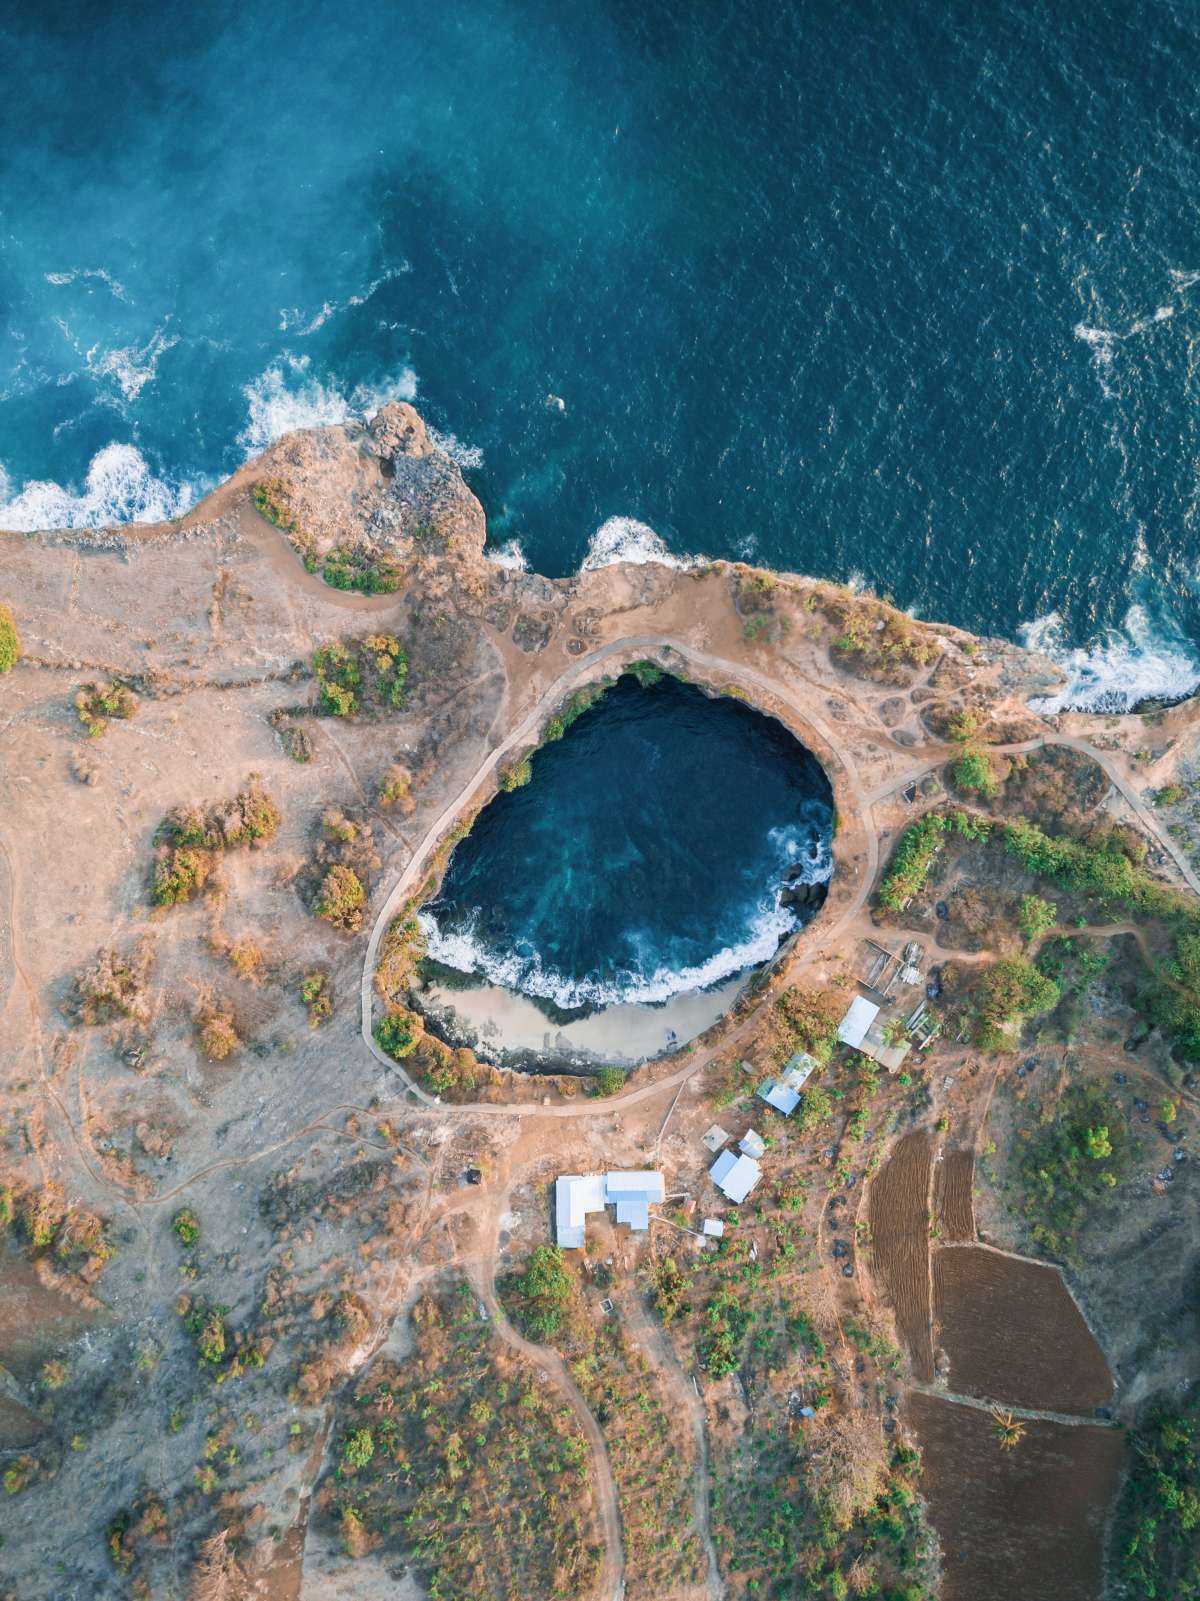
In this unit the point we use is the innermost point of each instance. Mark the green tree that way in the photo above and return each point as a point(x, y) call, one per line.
point(398, 1033)
point(545, 1288)
point(1011, 990)
point(1097, 1143)
point(1036, 916)
point(974, 774)
point(610, 1081)
point(358, 1449)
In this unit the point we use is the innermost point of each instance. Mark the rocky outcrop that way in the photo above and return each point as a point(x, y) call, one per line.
point(382, 490)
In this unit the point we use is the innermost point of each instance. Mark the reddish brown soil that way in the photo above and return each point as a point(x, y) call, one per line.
point(899, 1217)
point(953, 1204)
point(1014, 1334)
point(1019, 1525)
point(34, 1318)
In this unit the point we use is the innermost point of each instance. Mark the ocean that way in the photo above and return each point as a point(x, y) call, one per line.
point(905, 296)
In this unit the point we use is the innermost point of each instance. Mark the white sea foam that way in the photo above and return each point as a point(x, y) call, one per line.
point(131, 367)
point(1140, 661)
point(119, 488)
point(295, 320)
point(509, 555)
point(114, 287)
point(285, 397)
point(461, 950)
point(1183, 278)
point(624, 539)
point(465, 455)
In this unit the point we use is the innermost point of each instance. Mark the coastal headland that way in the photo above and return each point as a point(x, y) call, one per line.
point(250, 1193)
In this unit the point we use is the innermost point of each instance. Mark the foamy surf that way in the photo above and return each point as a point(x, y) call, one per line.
point(1135, 663)
point(508, 555)
point(286, 398)
point(119, 488)
point(528, 976)
point(624, 539)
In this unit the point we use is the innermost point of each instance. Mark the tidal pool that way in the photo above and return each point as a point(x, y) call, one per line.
point(665, 845)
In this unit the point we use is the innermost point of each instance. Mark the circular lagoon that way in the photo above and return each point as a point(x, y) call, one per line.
point(664, 846)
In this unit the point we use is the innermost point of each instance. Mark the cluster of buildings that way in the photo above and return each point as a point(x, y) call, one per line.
point(883, 1024)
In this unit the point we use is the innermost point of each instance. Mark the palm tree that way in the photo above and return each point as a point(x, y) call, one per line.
point(1009, 1431)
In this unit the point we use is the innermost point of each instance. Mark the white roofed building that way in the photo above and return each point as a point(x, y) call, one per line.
point(577, 1194)
point(735, 1176)
point(852, 1030)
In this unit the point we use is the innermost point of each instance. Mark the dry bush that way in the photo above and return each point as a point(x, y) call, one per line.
point(114, 986)
point(395, 789)
point(401, 948)
point(847, 1468)
point(218, 1576)
point(344, 861)
point(216, 1035)
point(190, 837)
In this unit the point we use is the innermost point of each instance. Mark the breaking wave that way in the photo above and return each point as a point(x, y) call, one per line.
point(119, 488)
point(286, 397)
point(806, 851)
point(624, 539)
point(509, 555)
point(527, 974)
point(1140, 661)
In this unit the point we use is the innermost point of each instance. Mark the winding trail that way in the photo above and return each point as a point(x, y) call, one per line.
point(552, 1366)
point(689, 1400)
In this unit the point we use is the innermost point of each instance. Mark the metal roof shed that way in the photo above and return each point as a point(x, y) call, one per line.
point(752, 1143)
point(735, 1176)
point(778, 1097)
point(852, 1030)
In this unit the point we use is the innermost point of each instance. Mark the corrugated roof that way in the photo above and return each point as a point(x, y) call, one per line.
point(736, 1176)
point(852, 1030)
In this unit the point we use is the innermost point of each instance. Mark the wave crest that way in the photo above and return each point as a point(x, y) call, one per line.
point(119, 488)
point(624, 539)
point(1134, 663)
point(285, 398)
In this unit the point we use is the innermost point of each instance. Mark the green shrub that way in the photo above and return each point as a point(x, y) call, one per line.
point(316, 993)
point(10, 644)
point(544, 1290)
point(178, 874)
point(609, 1081)
point(1159, 1512)
point(96, 703)
point(357, 1450)
point(579, 703)
point(974, 774)
point(1073, 1160)
point(516, 776)
point(187, 1226)
point(398, 1032)
point(1036, 916)
point(1010, 991)
point(341, 898)
point(360, 675)
point(1170, 795)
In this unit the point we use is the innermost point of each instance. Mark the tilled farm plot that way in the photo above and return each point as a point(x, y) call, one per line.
point(899, 1217)
point(1026, 1523)
point(953, 1207)
point(1014, 1334)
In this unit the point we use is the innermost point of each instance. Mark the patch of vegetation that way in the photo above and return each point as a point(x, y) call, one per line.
point(97, 703)
point(395, 789)
point(216, 1033)
point(218, 1348)
point(186, 1226)
point(361, 676)
point(1009, 992)
point(190, 838)
point(917, 849)
point(876, 641)
point(273, 500)
point(316, 992)
point(609, 1081)
point(344, 858)
point(478, 1472)
point(1036, 917)
point(340, 899)
point(973, 774)
point(516, 776)
point(810, 1021)
point(581, 701)
point(1070, 1163)
point(46, 1226)
point(1170, 795)
point(1157, 1528)
point(647, 673)
point(401, 949)
point(345, 568)
point(113, 988)
point(541, 1293)
point(399, 1032)
point(10, 643)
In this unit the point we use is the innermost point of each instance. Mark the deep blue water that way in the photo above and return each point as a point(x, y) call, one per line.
point(904, 292)
point(646, 856)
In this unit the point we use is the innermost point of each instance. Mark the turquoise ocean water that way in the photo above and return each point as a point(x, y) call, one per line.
point(908, 294)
